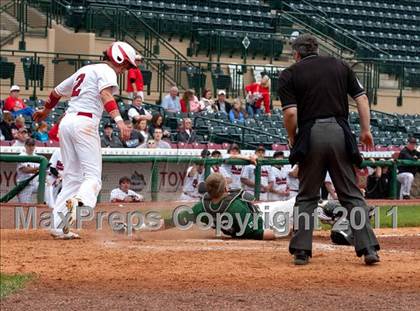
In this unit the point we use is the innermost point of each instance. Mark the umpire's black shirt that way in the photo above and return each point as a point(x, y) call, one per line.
point(318, 87)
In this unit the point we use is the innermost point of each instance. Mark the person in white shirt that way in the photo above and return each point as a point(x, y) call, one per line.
point(194, 176)
point(54, 178)
point(207, 103)
point(234, 171)
point(91, 90)
point(248, 176)
point(170, 102)
point(157, 141)
point(124, 193)
point(278, 177)
point(21, 136)
point(292, 180)
point(137, 112)
point(26, 170)
point(216, 154)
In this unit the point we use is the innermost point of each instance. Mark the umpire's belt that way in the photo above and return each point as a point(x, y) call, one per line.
point(326, 120)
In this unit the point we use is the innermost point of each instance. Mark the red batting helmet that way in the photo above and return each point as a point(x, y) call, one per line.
point(121, 53)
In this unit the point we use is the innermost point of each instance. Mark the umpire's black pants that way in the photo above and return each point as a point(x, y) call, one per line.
point(328, 152)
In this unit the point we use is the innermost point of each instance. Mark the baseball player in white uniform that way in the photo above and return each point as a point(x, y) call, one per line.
point(279, 190)
point(195, 175)
point(54, 178)
point(248, 176)
point(27, 170)
point(123, 193)
point(91, 91)
point(234, 171)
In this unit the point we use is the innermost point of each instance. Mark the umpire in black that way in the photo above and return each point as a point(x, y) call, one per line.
point(313, 92)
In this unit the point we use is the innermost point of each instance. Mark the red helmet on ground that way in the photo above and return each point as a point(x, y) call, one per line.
point(121, 53)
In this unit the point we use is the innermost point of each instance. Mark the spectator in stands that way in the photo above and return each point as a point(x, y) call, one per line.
point(7, 126)
point(248, 176)
point(157, 141)
point(234, 171)
point(170, 102)
point(279, 190)
point(221, 103)
point(20, 122)
point(136, 139)
point(21, 136)
point(186, 133)
point(406, 173)
point(137, 111)
point(257, 94)
point(207, 103)
point(124, 194)
point(15, 104)
point(238, 113)
point(135, 83)
point(141, 126)
point(41, 133)
point(157, 122)
point(189, 102)
point(109, 140)
point(26, 170)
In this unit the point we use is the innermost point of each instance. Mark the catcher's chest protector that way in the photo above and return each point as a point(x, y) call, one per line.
point(226, 202)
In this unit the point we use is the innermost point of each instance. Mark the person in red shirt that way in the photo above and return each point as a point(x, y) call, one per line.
point(189, 102)
point(135, 83)
point(15, 104)
point(257, 94)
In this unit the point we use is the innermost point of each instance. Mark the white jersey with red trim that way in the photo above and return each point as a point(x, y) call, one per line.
point(279, 179)
point(84, 88)
point(234, 173)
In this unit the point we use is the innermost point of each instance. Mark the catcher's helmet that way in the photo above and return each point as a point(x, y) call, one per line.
point(121, 53)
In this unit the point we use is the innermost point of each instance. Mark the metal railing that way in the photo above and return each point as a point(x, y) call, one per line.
point(207, 163)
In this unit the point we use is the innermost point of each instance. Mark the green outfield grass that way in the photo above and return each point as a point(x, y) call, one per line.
point(407, 216)
point(10, 283)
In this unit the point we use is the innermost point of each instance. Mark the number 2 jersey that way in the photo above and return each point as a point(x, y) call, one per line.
point(84, 88)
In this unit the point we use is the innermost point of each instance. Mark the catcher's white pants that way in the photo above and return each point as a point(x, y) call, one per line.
point(282, 211)
point(81, 152)
point(406, 180)
point(25, 196)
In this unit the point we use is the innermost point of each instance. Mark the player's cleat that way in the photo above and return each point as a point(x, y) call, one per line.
point(72, 205)
point(65, 236)
point(371, 257)
point(301, 258)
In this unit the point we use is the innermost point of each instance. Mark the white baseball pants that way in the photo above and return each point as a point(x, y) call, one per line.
point(406, 180)
point(25, 196)
point(81, 152)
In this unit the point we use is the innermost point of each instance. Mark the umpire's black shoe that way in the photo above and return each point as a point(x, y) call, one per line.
point(371, 257)
point(406, 197)
point(301, 258)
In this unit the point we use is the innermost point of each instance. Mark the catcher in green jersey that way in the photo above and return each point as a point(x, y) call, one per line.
point(233, 213)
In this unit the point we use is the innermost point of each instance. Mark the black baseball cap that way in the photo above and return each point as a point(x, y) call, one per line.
point(205, 153)
point(108, 125)
point(278, 154)
point(412, 140)
point(260, 148)
point(233, 147)
point(30, 142)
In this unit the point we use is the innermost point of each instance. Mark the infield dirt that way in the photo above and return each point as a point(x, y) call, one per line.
point(191, 270)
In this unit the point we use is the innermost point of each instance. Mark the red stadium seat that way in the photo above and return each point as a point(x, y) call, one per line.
point(185, 146)
point(174, 146)
point(199, 146)
point(214, 146)
point(52, 143)
point(279, 147)
point(5, 143)
point(225, 145)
